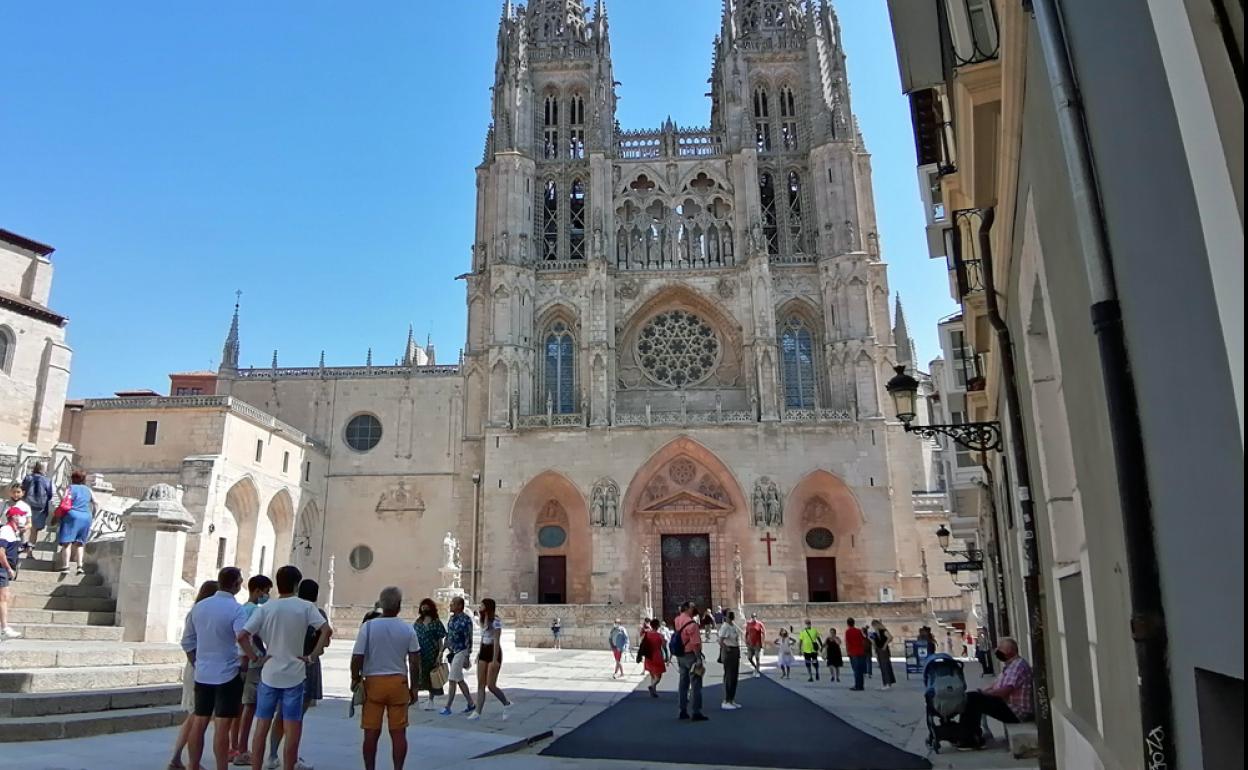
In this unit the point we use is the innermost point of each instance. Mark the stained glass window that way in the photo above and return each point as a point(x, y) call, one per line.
point(560, 369)
point(797, 349)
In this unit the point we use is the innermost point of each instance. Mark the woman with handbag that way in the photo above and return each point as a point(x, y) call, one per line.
point(430, 631)
point(74, 515)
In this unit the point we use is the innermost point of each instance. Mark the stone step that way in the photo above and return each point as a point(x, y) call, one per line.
point(89, 678)
point(39, 704)
point(46, 563)
point(19, 616)
point(22, 587)
point(84, 725)
point(67, 603)
point(69, 633)
point(54, 577)
point(18, 654)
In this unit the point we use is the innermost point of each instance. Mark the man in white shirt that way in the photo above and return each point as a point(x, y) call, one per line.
point(283, 624)
point(13, 522)
point(385, 653)
point(209, 643)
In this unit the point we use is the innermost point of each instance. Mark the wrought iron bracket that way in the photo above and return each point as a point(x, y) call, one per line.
point(976, 436)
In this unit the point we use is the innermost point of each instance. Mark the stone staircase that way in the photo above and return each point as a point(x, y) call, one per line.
point(71, 675)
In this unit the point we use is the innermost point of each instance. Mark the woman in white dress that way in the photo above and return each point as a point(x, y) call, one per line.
point(209, 588)
point(784, 646)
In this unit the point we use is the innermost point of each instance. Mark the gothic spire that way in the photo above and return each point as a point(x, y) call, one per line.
point(558, 21)
point(901, 336)
point(229, 353)
point(409, 349)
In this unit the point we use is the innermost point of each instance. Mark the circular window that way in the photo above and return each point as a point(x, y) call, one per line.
point(819, 538)
point(361, 558)
point(363, 432)
point(551, 536)
point(676, 348)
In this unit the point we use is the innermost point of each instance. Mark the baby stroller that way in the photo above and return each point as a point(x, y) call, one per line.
point(944, 690)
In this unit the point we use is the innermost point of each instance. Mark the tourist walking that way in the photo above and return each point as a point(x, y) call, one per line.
point(784, 653)
point(686, 647)
point(858, 651)
point(982, 653)
point(650, 655)
point(38, 492)
point(258, 589)
point(665, 631)
point(11, 525)
point(18, 516)
point(832, 651)
point(811, 644)
point(730, 657)
point(755, 635)
point(386, 662)
point(431, 632)
point(283, 623)
point(209, 643)
point(617, 639)
point(489, 658)
point(75, 522)
point(882, 638)
point(556, 631)
point(459, 655)
point(206, 589)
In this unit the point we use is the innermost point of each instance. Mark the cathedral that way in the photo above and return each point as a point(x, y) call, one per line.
point(678, 337)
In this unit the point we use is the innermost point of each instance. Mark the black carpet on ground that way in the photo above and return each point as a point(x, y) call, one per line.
point(774, 728)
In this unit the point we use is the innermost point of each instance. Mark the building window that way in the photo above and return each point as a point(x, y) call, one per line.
point(149, 433)
point(551, 536)
point(559, 369)
point(819, 539)
point(8, 343)
point(576, 128)
point(259, 449)
point(181, 392)
point(285, 462)
point(550, 221)
point(361, 558)
point(788, 119)
point(363, 432)
point(221, 547)
point(973, 27)
point(767, 201)
point(762, 120)
point(796, 235)
point(550, 128)
point(264, 553)
point(797, 350)
point(307, 471)
point(576, 220)
point(678, 349)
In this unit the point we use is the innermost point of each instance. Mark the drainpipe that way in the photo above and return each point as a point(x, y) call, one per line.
point(1148, 628)
point(1032, 587)
point(476, 532)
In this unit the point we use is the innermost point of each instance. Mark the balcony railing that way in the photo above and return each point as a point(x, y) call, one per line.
point(668, 142)
point(973, 31)
point(967, 262)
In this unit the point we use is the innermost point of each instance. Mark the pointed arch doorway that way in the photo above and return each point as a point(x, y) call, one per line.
point(687, 513)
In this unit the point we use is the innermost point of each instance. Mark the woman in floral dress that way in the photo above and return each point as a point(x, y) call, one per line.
point(430, 631)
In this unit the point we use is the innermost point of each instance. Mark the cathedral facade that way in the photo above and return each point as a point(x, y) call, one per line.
point(672, 384)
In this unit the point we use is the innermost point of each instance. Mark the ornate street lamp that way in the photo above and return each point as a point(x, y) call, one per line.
point(976, 436)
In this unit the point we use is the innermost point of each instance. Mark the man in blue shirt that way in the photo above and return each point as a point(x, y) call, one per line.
point(459, 651)
point(38, 493)
point(210, 643)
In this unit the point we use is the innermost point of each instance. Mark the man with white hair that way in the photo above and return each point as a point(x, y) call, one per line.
point(386, 662)
point(1009, 699)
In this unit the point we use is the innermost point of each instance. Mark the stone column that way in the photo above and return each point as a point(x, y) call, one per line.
point(150, 585)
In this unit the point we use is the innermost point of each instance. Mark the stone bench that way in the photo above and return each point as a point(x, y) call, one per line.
point(1024, 740)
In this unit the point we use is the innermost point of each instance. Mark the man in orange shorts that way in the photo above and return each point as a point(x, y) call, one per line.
point(386, 663)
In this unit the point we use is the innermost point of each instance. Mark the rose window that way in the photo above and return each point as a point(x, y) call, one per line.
point(676, 348)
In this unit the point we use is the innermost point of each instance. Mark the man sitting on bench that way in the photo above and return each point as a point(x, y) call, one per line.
point(1009, 699)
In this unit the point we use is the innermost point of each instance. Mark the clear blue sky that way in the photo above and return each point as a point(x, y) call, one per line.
point(320, 158)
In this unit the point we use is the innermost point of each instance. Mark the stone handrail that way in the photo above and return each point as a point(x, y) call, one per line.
point(346, 372)
point(560, 264)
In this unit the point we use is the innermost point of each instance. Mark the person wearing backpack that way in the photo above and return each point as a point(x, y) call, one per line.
point(617, 638)
point(686, 648)
point(37, 491)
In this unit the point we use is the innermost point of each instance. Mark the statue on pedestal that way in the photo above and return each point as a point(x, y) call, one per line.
point(738, 579)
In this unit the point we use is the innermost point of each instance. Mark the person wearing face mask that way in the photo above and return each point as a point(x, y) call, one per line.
point(430, 631)
point(1010, 699)
point(259, 587)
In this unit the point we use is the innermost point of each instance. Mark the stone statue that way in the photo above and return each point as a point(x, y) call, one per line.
point(329, 590)
point(775, 509)
point(598, 246)
point(597, 517)
point(850, 242)
point(647, 582)
point(760, 505)
point(756, 238)
point(613, 411)
point(612, 498)
point(451, 545)
point(738, 579)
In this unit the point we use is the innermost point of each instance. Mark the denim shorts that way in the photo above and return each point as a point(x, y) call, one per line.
point(290, 698)
point(73, 528)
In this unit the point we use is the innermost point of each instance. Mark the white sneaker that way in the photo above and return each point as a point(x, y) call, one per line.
point(506, 712)
point(474, 716)
point(272, 763)
point(726, 707)
point(9, 633)
point(301, 765)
